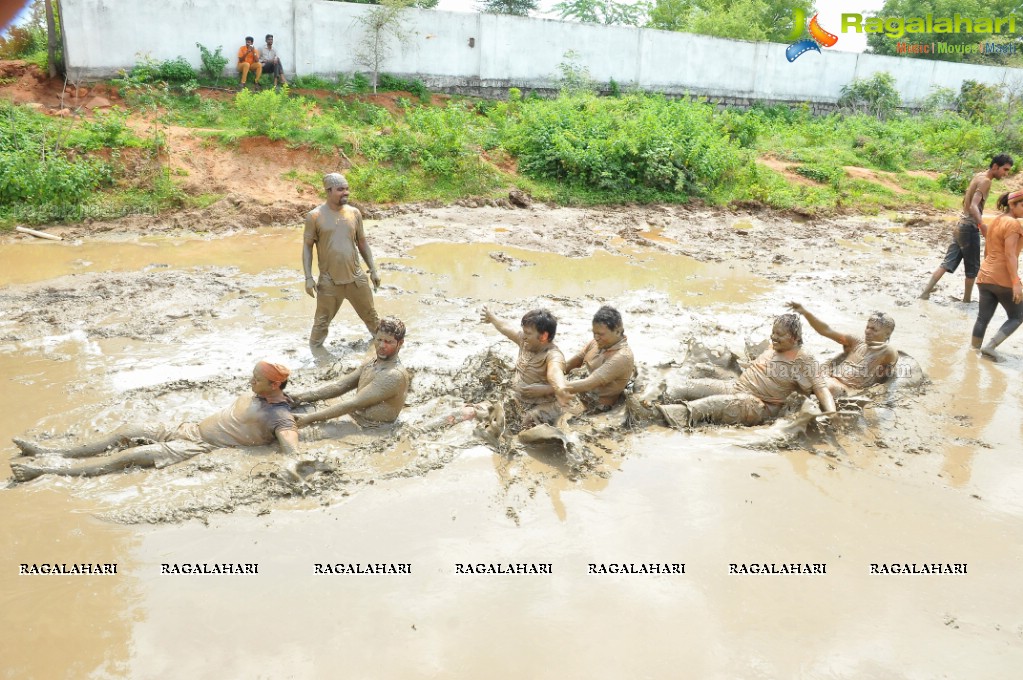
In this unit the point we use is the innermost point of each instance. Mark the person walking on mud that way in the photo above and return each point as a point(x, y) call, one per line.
point(866, 361)
point(998, 279)
point(252, 420)
point(965, 246)
point(335, 230)
point(380, 384)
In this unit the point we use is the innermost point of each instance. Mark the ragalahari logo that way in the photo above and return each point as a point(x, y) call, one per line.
point(818, 37)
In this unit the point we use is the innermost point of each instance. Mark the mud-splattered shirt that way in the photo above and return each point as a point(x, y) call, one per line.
point(610, 370)
point(336, 235)
point(531, 369)
point(862, 367)
point(772, 378)
point(249, 421)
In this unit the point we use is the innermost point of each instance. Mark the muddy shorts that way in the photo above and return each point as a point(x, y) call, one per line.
point(964, 248)
point(169, 445)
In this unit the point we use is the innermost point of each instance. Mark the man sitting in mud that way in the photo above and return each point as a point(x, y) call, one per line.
point(539, 374)
point(252, 420)
point(865, 362)
point(608, 360)
point(380, 384)
point(754, 398)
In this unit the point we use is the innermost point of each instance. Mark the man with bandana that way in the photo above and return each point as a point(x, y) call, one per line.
point(866, 361)
point(335, 230)
point(252, 420)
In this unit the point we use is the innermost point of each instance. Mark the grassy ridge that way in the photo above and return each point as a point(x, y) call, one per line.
point(576, 149)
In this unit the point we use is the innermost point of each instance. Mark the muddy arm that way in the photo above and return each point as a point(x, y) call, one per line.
point(287, 438)
point(308, 239)
point(367, 254)
point(383, 387)
point(824, 329)
point(506, 328)
point(974, 209)
point(826, 400)
point(329, 391)
point(618, 366)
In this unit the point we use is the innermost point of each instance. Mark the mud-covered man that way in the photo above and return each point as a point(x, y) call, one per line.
point(335, 230)
point(380, 384)
point(252, 420)
point(608, 361)
point(755, 397)
point(539, 369)
point(965, 246)
point(866, 361)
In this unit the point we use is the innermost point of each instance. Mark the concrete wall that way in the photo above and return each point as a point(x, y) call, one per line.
point(316, 37)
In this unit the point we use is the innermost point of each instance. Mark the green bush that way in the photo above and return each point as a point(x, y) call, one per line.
point(875, 96)
point(213, 63)
point(633, 146)
point(272, 113)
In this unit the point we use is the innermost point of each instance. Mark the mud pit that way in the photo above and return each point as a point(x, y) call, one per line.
point(167, 325)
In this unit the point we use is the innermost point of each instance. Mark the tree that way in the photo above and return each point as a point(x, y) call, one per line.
point(886, 43)
point(519, 8)
point(769, 20)
point(607, 12)
point(421, 4)
point(384, 27)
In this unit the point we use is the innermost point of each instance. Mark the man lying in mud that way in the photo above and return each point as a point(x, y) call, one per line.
point(380, 384)
point(252, 420)
point(539, 374)
point(754, 398)
point(866, 361)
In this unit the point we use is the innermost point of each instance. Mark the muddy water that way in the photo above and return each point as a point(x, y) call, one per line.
point(935, 480)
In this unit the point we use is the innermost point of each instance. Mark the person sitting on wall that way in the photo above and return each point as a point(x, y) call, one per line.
point(271, 61)
point(248, 60)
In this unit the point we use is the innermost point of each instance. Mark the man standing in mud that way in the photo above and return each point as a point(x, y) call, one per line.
point(335, 229)
point(754, 398)
point(380, 384)
point(252, 420)
point(866, 361)
point(965, 246)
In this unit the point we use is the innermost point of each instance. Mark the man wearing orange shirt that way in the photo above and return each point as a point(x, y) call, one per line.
point(248, 60)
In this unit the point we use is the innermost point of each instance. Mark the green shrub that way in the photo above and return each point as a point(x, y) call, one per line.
point(213, 63)
point(272, 113)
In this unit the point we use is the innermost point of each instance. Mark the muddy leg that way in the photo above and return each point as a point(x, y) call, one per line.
point(119, 438)
point(968, 291)
point(935, 277)
point(139, 456)
point(328, 301)
point(361, 297)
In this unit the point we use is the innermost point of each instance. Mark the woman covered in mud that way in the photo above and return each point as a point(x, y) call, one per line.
point(998, 279)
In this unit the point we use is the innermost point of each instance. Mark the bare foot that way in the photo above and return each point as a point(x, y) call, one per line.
point(28, 448)
point(926, 295)
point(25, 473)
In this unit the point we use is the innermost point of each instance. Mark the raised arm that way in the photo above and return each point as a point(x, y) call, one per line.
point(847, 341)
point(384, 386)
point(330, 390)
point(506, 328)
point(367, 254)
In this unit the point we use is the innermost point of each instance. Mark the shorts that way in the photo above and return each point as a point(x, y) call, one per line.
point(965, 248)
point(170, 445)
